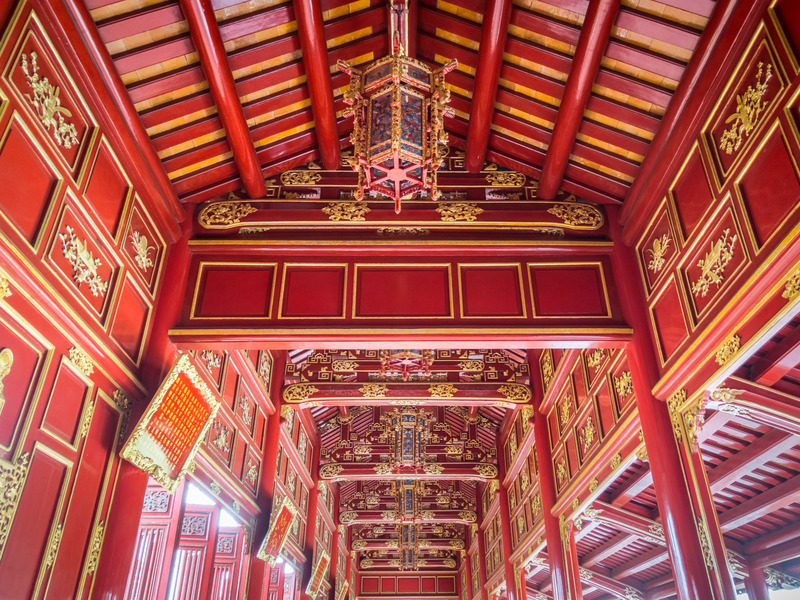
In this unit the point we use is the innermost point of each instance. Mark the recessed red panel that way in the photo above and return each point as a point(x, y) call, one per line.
point(399, 291)
point(26, 182)
point(408, 585)
point(107, 189)
point(235, 291)
point(788, 12)
point(18, 382)
point(669, 322)
point(565, 291)
point(130, 320)
point(770, 187)
point(369, 585)
point(31, 526)
point(491, 291)
point(100, 442)
point(63, 413)
point(428, 585)
point(692, 194)
point(313, 291)
point(447, 585)
point(387, 585)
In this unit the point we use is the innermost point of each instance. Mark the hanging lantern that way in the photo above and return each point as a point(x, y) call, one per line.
point(398, 106)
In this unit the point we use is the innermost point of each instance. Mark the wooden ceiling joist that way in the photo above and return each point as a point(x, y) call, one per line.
point(315, 60)
point(490, 59)
point(213, 59)
point(591, 46)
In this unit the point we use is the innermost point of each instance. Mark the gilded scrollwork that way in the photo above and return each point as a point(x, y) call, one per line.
point(330, 470)
point(459, 211)
point(505, 178)
point(578, 215)
point(6, 362)
point(220, 215)
point(595, 358)
point(12, 478)
point(442, 390)
point(675, 405)
point(790, 291)
point(295, 178)
point(547, 368)
point(346, 211)
point(373, 390)
point(727, 350)
point(623, 385)
point(515, 392)
point(299, 392)
point(142, 249)
point(95, 547)
point(81, 361)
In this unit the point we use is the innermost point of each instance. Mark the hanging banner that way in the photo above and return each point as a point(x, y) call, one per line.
point(280, 524)
point(166, 438)
point(318, 574)
point(343, 591)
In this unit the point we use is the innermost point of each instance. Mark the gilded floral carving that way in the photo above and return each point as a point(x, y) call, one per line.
point(142, 250)
point(749, 107)
point(582, 216)
point(727, 350)
point(346, 211)
point(84, 265)
point(712, 265)
point(658, 252)
point(47, 104)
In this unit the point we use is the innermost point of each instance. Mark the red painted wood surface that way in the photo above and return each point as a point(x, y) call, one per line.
point(490, 58)
point(213, 59)
point(591, 46)
point(315, 60)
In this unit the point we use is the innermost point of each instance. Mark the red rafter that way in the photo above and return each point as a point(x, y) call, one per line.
point(490, 59)
point(315, 59)
point(591, 45)
point(781, 359)
point(214, 61)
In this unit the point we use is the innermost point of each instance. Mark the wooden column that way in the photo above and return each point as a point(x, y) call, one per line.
point(505, 521)
point(482, 555)
point(756, 584)
point(575, 588)
point(547, 487)
point(122, 524)
point(592, 43)
point(465, 557)
point(334, 547)
point(692, 578)
point(259, 570)
point(315, 59)
point(311, 526)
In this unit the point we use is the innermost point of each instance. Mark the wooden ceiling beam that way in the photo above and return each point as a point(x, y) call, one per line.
point(591, 46)
point(782, 358)
point(113, 83)
point(490, 59)
point(605, 550)
point(315, 59)
point(214, 61)
point(754, 508)
point(766, 448)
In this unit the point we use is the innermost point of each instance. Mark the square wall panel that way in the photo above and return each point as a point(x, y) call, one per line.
point(491, 291)
point(313, 291)
point(234, 290)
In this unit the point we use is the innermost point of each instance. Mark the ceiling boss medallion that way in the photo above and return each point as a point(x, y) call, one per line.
point(398, 106)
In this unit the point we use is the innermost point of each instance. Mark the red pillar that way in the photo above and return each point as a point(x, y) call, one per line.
point(122, 523)
point(575, 588)
point(465, 558)
point(311, 527)
point(674, 501)
point(505, 525)
point(756, 585)
point(258, 588)
point(482, 558)
point(547, 487)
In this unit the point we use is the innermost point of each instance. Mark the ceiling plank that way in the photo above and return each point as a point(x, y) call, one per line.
point(315, 59)
point(214, 61)
point(756, 507)
point(490, 59)
point(591, 46)
point(766, 448)
point(781, 359)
